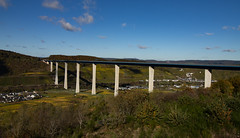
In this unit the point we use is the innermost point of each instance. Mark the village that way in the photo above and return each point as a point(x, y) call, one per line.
point(169, 84)
point(18, 96)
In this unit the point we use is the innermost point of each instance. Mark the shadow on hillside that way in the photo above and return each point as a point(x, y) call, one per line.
point(74, 74)
point(84, 80)
point(137, 71)
point(3, 68)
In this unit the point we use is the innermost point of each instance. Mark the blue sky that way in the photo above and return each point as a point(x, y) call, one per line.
point(144, 29)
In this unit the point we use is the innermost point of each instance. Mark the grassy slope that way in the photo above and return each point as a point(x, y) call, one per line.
point(16, 64)
point(54, 96)
point(21, 70)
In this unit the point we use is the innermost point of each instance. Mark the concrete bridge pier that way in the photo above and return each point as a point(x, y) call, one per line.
point(65, 77)
point(116, 80)
point(208, 78)
point(56, 76)
point(77, 78)
point(51, 66)
point(150, 80)
point(93, 79)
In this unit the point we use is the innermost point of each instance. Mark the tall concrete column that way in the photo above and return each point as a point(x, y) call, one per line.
point(116, 80)
point(51, 66)
point(56, 76)
point(93, 79)
point(208, 78)
point(151, 78)
point(65, 77)
point(77, 79)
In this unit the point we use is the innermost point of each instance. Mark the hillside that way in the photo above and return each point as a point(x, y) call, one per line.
point(12, 63)
point(27, 70)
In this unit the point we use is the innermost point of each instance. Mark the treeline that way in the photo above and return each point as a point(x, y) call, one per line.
point(189, 113)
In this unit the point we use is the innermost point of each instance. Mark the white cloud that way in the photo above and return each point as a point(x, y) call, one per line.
point(211, 48)
point(231, 28)
point(225, 27)
point(87, 4)
point(124, 24)
point(53, 4)
point(46, 18)
point(209, 34)
point(85, 19)
point(142, 47)
point(229, 50)
point(67, 26)
point(208, 48)
point(102, 37)
point(205, 34)
point(4, 3)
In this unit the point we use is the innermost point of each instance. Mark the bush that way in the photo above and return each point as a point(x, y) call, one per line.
point(233, 103)
point(176, 117)
point(236, 84)
point(148, 114)
point(122, 108)
point(217, 111)
point(223, 86)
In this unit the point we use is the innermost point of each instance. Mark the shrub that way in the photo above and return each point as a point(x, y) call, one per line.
point(223, 86)
point(217, 111)
point(236, 84)
point(97, 111)
point(123, 107)
point(186, 100)
point(176, 117)
point(233, 103)
point(148, 114)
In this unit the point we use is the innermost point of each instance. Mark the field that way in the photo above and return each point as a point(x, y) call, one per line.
point(56, 97)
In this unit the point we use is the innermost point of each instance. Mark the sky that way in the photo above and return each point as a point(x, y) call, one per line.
point(143, 29)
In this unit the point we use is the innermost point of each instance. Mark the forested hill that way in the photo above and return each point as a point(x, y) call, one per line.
point(12, 63)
